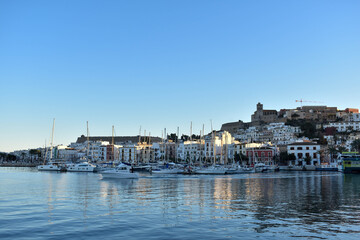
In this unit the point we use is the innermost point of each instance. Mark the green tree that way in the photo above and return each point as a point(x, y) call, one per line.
point(308, 160)
point(172, 137)
point(284, 157)
point(355, 145)
point(332, 151)
point(292, 156)
point(341, 149)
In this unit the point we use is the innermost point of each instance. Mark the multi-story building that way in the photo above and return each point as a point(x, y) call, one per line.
point(127, 153)
point(260, 155)
point(305, 151)
point(344, 126)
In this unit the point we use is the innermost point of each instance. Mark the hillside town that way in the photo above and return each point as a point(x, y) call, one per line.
point(305, 136)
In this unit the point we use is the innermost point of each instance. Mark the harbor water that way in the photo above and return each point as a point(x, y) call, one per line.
point(281, 205)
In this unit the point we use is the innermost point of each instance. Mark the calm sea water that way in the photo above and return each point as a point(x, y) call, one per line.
point(49, 205)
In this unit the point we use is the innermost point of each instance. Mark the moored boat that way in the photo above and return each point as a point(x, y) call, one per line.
point(51, 166)
point(350, 162)
point(121, 171)
point(81, 167)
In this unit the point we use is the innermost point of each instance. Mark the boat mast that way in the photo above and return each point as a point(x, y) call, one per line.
point(112, 143)
point(176, 143)
point(190, 142)
point(137, 159)
point(52, 140)
point(87, 150)
point(202, 148)
point(165, 149)
point(149, 147)
point(45, 153)
point(213, 140)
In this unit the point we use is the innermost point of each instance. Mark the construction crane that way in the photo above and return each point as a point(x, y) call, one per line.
point(301, 101)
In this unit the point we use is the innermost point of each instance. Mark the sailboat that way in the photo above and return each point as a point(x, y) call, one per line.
point(52, 165)
point(213, 169)
point(84, 166)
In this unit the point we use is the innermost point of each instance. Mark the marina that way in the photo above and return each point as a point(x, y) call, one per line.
point(277, 205)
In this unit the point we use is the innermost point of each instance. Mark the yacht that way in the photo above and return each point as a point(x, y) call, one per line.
point(81, 167)
point(121, 171)
point(51, 166)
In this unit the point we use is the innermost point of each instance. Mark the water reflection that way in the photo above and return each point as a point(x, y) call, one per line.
point(302, 204)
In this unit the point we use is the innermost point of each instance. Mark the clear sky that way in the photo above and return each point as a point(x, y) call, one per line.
point(163, 64)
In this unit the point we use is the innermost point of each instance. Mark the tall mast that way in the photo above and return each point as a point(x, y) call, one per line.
point(165, 150)
point(202, 148)
point(221, 151)
point(176, 143)
point(112, 143)
point(87, 133)
point(52, 139)
point(190, 142)
point(213, 136)
point(45, 153)
point(149, 147)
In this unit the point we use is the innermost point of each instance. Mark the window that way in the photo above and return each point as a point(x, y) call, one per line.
point(299, 148)
point(300, 155)
point(292, 148)
point(315, 155)
point(307, 148)
point(314, 148)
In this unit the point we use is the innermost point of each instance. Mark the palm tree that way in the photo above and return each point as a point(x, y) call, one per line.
point(355, 145)
point(332, 151)
point(341, 149)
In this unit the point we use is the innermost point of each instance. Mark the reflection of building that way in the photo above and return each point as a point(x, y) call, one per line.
point(306, 153)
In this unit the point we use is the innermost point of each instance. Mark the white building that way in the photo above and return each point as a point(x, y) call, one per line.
point(127, 153)
point(344, 126)
point(303, 150)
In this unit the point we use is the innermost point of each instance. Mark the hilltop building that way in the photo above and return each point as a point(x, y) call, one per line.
point(264, 116)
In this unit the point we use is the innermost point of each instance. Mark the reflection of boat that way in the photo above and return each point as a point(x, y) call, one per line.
point(350, 162)
point(121, 171)
point(81, 167)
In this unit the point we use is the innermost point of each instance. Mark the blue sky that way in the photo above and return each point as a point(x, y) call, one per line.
point(166, 63)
